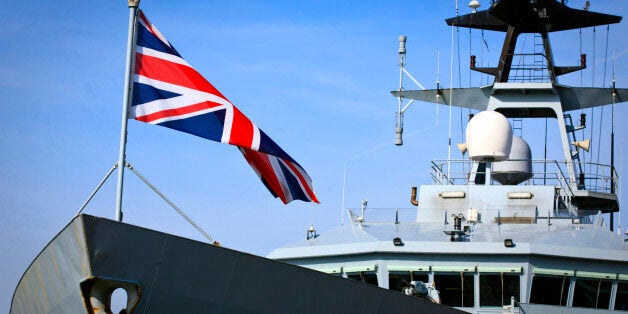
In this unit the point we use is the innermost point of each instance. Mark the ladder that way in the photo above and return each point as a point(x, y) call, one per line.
point(539, 66)
point(517, 127)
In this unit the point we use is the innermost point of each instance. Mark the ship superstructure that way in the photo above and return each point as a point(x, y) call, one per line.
point(499, 230)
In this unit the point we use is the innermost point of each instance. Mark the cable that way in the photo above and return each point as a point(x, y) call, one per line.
point(592, 85)
point(599, 134)
point(451, 96)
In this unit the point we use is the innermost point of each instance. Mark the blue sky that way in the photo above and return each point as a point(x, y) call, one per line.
point(314, 75)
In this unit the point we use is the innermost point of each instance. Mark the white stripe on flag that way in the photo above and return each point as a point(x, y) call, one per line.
point(151, 28)
point(226, 128)
point(160, 55)
point(274, 162)
point(188, 97)
point(182, 116)
point(297, 178)
point(256, 137)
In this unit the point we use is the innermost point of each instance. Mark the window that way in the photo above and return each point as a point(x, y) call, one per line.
point(594, 293)
point(621, 300)
point(552, 290)
point(396, 279)
point(366, 277)
point(455, 289)
point(496, 289)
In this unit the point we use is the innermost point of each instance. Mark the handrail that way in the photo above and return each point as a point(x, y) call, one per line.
point(599, 178)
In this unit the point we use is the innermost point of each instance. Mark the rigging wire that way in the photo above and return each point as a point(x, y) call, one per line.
point(344, 186)
point(592, 85)
point(437, 84)
point(451, 92)
point(459, 75)
point(619, 193)
point(470, 37)
point(462, 130)
point(482, 75)
point(613, 177)
point(581, 72)
point(521, 65)
point(584, 156)
point(599, 134)
point(605, 55)
point(458, 43)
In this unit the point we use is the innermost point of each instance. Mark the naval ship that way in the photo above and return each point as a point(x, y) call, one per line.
point(498, 231)
point(92, 258)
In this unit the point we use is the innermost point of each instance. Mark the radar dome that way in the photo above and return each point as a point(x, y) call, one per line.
point(518, 167)
point(489, 136)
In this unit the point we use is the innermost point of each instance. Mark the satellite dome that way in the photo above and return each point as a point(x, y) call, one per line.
point(489, 136)
point(518, 167)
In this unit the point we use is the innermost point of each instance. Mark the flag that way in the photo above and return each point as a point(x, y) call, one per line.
point(167, 91)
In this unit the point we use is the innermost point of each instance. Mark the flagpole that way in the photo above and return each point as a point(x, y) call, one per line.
point(133, 5)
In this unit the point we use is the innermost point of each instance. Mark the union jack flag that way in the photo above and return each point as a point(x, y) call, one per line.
point(167, 91)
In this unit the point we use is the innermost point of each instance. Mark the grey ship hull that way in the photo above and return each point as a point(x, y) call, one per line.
point(161, 273)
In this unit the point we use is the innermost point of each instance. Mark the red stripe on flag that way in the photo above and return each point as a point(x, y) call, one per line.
point(305, 183)
point(173, 73)
point(241, 129)
point(177, 111)
point(261, 163)
point(149, 26)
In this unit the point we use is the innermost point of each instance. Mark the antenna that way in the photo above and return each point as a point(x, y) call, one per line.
point(614, 93)
point(344, 184)
point(451, 96)
point(400, 110)
point(621, 174)
point(402, 57)
point(474, 5)
point(437, 84)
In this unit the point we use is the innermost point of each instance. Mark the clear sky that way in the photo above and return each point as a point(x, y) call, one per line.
point(314, 75)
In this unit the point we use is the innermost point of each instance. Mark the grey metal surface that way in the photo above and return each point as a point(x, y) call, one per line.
point(178, 275)
point(522, 14)
point(588, 242)
point(49, 285)
point(572, 98)
point(472, 98)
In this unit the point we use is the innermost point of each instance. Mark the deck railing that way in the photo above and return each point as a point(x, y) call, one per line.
point(400, 215)
point(595, 177)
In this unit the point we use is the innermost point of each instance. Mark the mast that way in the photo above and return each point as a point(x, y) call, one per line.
point(614, 94)
point(509, 92)
point(128, 94)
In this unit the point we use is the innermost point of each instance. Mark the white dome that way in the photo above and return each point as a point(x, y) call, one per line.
point(489, 136)
point(518, 167)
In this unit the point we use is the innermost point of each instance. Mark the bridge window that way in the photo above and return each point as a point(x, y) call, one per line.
point(396, 279)
point(593, 293)
point(552, 290)
point(455, 289)
point(366, 277)
point(621, 300)
point(496, 289)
